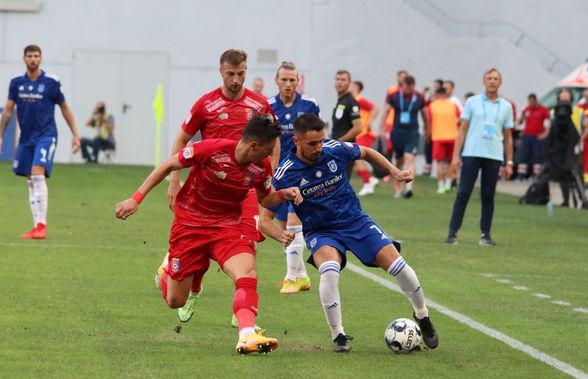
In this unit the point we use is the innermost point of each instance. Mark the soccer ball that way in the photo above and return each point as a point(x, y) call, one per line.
point(403, 335)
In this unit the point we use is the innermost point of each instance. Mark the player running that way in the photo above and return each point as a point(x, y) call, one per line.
point(334, 222)
point(35, 95)
point(287, 106)
point(207, 218)
point(222, 113)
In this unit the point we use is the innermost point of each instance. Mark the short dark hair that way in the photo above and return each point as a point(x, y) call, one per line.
point(450, 82)
point(468, 94)
point(532, 96)
point(32, 49)
point(440, 91)
point(409, 80)
point(439, 81)
point(262, 128)
point(308, 122)
point(344, 72)
point(359, 85)
point(287, 65)
point(233, 57)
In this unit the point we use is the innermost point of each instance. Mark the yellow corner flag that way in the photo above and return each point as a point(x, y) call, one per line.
point(158, 113)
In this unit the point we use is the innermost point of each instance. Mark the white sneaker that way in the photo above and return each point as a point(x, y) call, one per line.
point(374, 181)
point(367, 189)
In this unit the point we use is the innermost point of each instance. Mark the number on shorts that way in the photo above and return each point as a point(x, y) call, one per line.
point(379, 231)
point(43, 155)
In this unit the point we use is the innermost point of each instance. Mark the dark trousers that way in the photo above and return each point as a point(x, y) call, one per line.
point(96, 144)
point(429, 152)
point(469, 173)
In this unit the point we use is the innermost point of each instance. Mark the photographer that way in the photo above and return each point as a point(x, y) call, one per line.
point(104, 140)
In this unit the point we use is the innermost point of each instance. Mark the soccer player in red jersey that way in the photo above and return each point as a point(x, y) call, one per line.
point(207, 221)
point(222, 113)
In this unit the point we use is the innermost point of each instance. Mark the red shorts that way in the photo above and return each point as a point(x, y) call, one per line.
point(443, 150)
point(250, 217)
point(366, 140)
point(192, 247)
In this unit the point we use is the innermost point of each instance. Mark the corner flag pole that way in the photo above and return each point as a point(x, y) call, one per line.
point(158, 113)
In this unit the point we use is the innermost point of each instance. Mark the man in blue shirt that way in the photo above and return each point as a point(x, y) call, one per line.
point(485, 135)
point(35, 94)
point(287, 105)
point(334, 222)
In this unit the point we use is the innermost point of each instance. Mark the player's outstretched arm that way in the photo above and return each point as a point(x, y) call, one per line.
point(71, 122)
point(270, 229)
point(377, 159)
point(273, 198)
point(127, 207)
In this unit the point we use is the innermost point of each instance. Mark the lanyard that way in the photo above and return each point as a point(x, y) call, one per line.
point(401, 101)
point(484, 99)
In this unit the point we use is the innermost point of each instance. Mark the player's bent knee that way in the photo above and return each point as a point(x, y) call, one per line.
point(176, 301)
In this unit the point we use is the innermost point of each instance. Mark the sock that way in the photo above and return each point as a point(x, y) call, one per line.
point(33, 203)
point(245, 303)
point(409, 283)
point(396, 185)
point(440, 184)
point(295, 254)
point(40, 196)
point(522, 169)
point(364, 175)
point(536, 169)
point(448, 183)
point(409, 186)
point(198, 277)
point(329, 295)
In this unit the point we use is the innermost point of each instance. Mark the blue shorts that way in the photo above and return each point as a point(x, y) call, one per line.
point(39, 154)
point(364, 238)
point(404, 140)
point(281, 211)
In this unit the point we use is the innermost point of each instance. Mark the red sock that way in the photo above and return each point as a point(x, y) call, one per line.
point(245, 302)
point(198, 277)
point(163, 285)
point(364, 175)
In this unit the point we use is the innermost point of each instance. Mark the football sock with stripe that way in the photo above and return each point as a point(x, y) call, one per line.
point(245, 301)
point(295, 254)
point(329, 294)
point(40, 193)
point(409, 283)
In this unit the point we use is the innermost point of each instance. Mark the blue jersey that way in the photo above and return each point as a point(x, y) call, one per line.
point(35, 106)
point(329, 200)
point(286, 117)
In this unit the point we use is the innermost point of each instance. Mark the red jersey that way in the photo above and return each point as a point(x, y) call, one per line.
point(217, 185)
point(535, 117)
point(217, 116)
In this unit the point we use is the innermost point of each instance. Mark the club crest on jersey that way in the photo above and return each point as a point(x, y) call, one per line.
point(221, 175)
point(319, 174)
point(223, 116)
point(175, 264)
point(41, 88)
point(248, 180)
point(332, 166)
point(249, 113)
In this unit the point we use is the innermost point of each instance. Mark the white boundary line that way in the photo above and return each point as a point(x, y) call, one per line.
point(515, 344)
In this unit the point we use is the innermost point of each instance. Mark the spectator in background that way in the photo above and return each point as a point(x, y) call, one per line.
point(367, 113)
point(257, 86)
point(104, 140)
point(443, 117)
point(407, 104)
point(485, 135)
point(580, 113)
point(438, 83)
point(449, 86)
point(387, 119)
point(531, 149)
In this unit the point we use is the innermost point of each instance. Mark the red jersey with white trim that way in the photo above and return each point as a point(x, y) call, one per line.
point(217, 116)
point(217, 185)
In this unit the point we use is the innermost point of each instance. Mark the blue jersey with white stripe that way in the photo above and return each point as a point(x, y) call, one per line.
point(329, 199)
point(35, 106)
point(287, 115)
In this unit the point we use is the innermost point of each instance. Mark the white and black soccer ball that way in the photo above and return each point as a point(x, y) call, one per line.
point(403, 335)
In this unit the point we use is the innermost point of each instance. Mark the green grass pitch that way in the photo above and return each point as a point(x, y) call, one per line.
point(83, 302)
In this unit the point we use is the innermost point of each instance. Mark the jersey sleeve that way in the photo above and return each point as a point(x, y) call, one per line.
point(57, 96)
point(508, 123)
point(348, 151)
point(265, 185)
point(13, 90)
point(353, 110)
point(195, 118)
point(467, 110)
point(422, 101)
point(365, 104)
point(196, 152)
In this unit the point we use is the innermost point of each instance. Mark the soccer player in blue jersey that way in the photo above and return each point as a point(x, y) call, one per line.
point(334, 222)
point(287, 105)
point(35, 95)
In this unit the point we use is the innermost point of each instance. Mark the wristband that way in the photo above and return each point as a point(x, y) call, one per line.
point(281, 195)
point(138, 197)
point(509, 163)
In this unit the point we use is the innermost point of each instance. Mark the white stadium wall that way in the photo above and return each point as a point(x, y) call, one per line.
point(118, 51)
